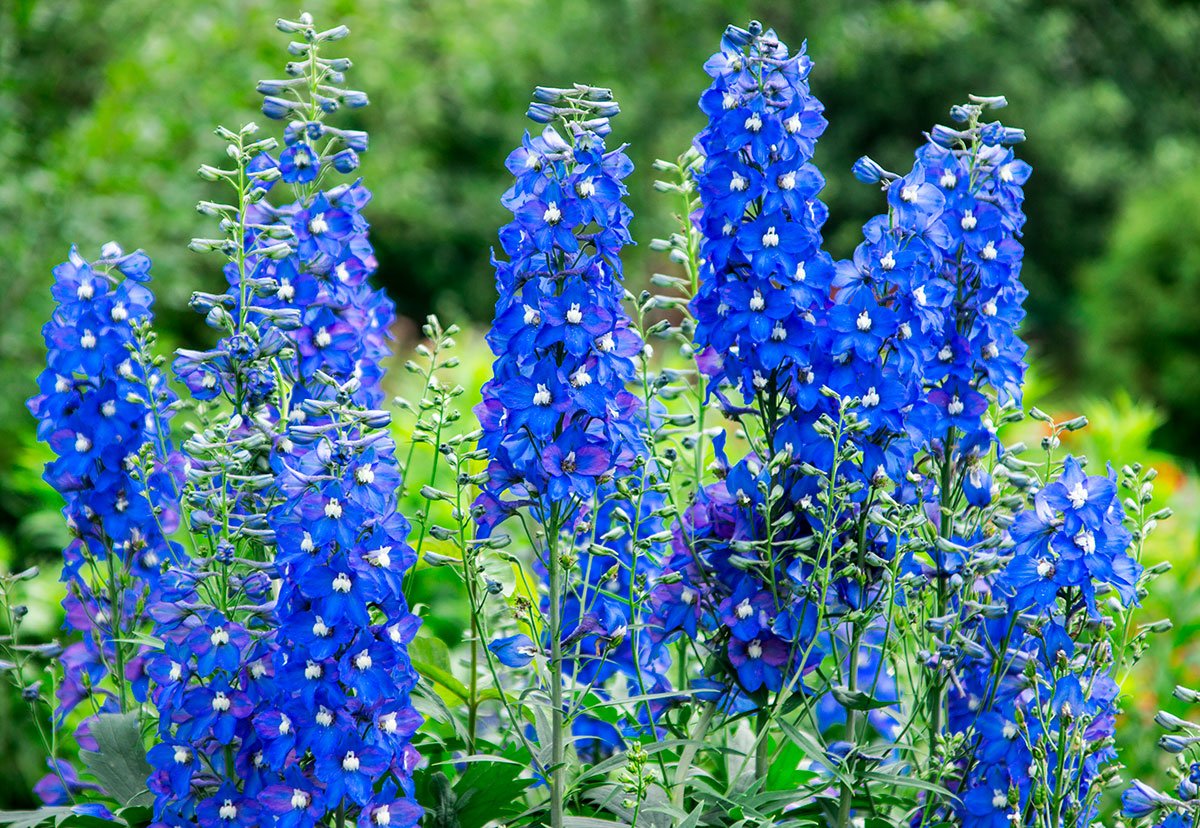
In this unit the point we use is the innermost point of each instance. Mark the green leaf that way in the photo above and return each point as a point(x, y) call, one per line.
point(120, 764)
point(488, 791)
point(33, 819)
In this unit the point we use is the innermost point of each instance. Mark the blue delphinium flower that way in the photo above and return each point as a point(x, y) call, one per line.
point(104, 408)
point(558, 423)
point(1071, 542)
point(557, 417)
point(295, 376)
point(946, 259)
point(764, 273)
point(341, 694)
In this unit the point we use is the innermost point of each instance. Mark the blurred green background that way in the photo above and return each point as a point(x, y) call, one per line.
point(106, 109)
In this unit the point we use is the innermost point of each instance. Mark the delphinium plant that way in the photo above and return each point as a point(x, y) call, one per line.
point(790, 571)
point(264, 654)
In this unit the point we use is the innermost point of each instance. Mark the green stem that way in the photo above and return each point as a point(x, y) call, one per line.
point(762, 743)
point(556, 704)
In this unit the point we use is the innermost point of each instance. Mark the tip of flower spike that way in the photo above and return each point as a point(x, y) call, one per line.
point(591, 106)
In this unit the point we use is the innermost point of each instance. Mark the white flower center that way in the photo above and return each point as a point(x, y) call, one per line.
point(756, 302)
point(744, 610)
point(955, 406)
point(219, 637)
point(753, 123)
point(754, 649)
point(119, 312)
point(989, 252)
point(350, 762)
point(382, 815)
point(532, 317)
point(220, 702)
point(778, 333)
point(341, 583)
point(85, 290)
point(770, 238)
point(286, 292)
point(1086, 541)
point(312, 672)
point(1045, 569)
point(285, 725)
point(863, 323)
point(1009, 731)
point(82, 444)
point(363, 660)
point(871, 398)
point(989, 308)
point(182, 755)
point(909, 193)
point(552, 214)
point(322, 338)
point(299, 799)
point(319, 628)
point(787, 181)
point(606, 343)
point(306, 543)
point(737, 184)
point(542, 395)
point(792, 124)
point(88, 340)
point(687, 595)
point(333, 509)
point(586, 188)
point(946, 353)
point(324, 717)
point(1078, 496)
point(919, 295)
point(317, 224)
point(948, 180)
point(999, 799)
point(365, 475)
point(888, 261)
point(581, 378)
point(574, 314)
point(968, 220)
point(228, 810)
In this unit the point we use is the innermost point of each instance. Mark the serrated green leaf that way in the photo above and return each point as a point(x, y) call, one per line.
point(119, 764)
point(33, 819)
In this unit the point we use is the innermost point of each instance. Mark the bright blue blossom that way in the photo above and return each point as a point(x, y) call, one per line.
point(104, 408)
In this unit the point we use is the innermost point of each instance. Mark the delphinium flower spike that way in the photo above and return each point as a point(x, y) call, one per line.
point(250, 735)
point(104, 408)
point(558, 421)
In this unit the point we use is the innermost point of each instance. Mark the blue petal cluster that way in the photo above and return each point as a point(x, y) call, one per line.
point(104, 408)
point(340, 718)
point(557, 418)
point(285, 704)
point(1035, 700)
point(763, 274)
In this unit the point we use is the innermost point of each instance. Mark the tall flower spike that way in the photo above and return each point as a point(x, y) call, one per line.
point(763, 273)
point(104, 408)
point(557, 417)
point(297, 370)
